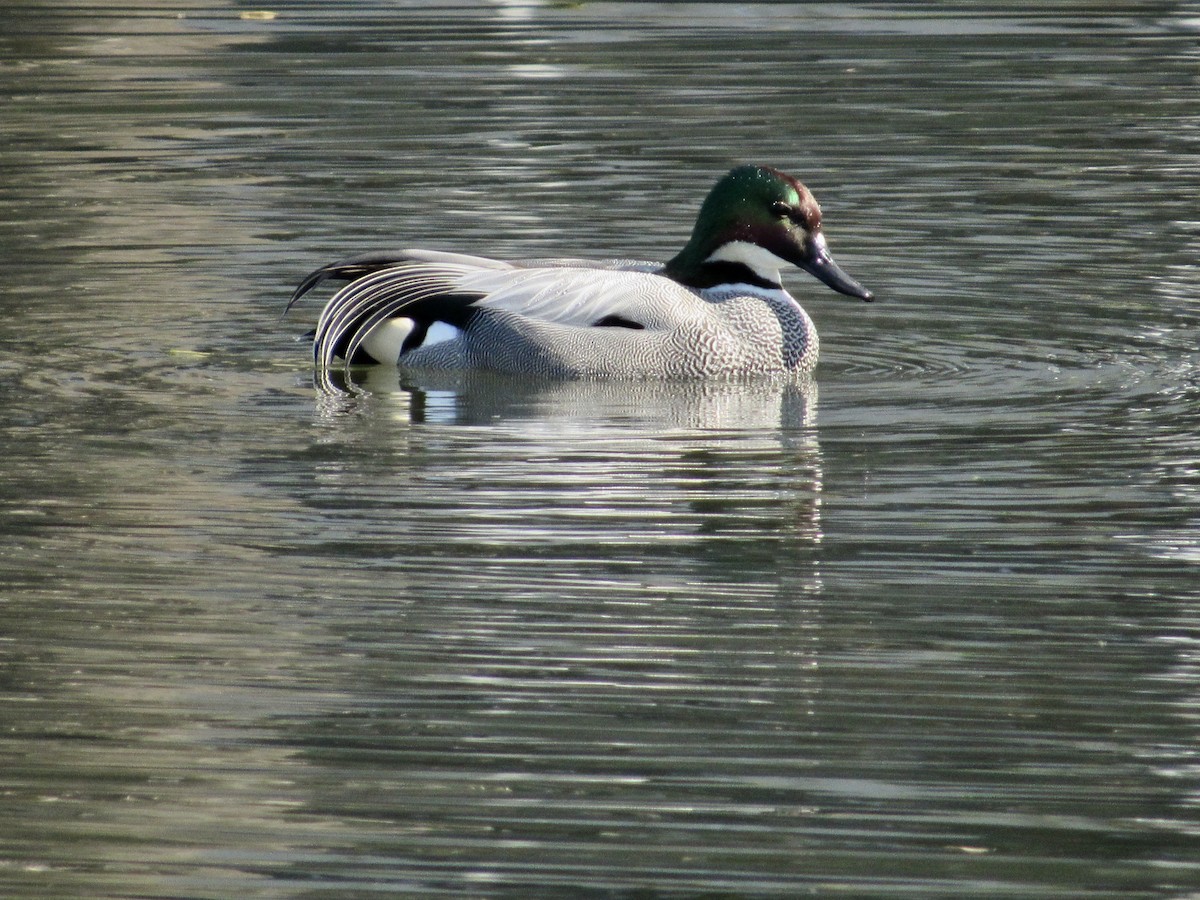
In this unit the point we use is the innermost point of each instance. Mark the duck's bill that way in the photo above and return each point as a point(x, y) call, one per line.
point(820, 264)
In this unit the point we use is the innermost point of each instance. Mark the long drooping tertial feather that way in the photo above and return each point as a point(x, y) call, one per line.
point(422, 292)
point(345, 270)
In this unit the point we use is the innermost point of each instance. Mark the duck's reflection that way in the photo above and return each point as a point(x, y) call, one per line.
point(737, 451)
point(475, 397)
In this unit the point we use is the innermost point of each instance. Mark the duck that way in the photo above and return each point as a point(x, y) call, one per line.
point(718, 308)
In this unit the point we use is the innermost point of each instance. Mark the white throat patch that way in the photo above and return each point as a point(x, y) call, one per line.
point(763, 263)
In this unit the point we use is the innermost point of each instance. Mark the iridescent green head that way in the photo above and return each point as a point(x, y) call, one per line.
point(754, 221)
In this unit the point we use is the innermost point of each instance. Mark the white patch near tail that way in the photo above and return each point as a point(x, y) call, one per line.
point(440, 332)
point(384, 341)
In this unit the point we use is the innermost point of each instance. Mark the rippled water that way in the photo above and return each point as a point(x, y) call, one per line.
point(929, 626)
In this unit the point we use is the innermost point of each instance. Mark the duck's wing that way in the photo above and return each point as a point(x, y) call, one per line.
point(580, 295)
point(614, 265)
point(452, 288)
point(357, 267)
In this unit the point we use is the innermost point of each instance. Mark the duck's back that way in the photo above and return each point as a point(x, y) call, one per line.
point(582, 320)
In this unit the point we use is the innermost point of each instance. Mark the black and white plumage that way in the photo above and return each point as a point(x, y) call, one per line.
point(716, 309)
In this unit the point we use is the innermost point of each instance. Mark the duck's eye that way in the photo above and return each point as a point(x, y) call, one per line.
point(782, 210)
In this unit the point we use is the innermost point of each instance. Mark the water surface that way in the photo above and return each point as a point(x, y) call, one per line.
point(925, 627)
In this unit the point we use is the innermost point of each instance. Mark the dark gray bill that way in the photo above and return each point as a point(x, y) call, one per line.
point(820, 264)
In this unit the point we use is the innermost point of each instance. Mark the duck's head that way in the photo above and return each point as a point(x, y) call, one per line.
point(753, 222)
